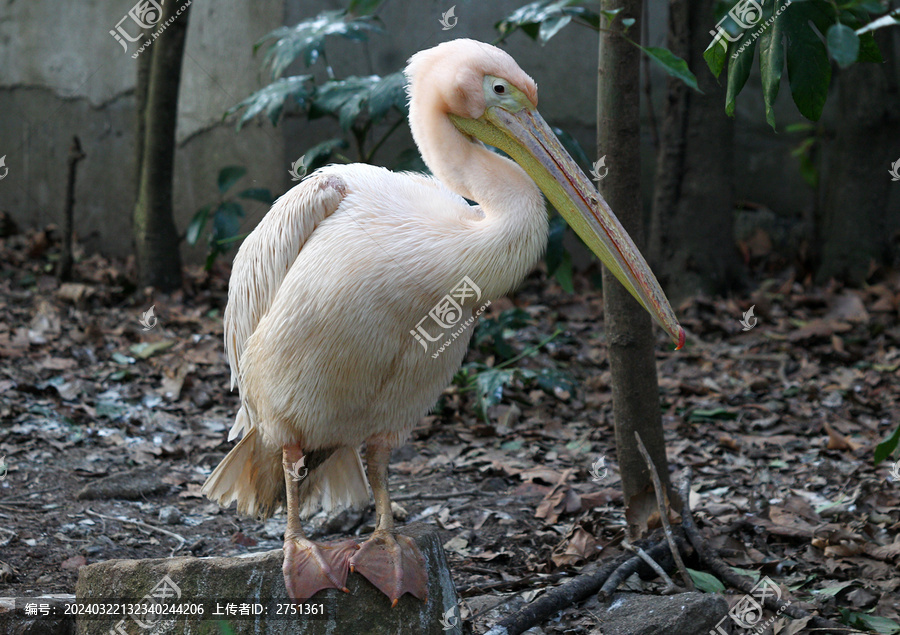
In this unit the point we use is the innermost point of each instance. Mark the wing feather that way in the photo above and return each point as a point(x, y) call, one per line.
point(264, 259)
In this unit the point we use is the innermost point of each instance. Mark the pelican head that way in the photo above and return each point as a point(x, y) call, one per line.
point(484, 94)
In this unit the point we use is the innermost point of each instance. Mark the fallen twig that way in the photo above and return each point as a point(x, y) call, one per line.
point(429, 497)
point(662, 504)
point(509, 585)
point(671, 587)
point(575, 590)
point(708, 555)
point(659, 551)
point(181, 539)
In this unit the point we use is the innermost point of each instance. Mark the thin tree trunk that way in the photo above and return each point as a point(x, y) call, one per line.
point(64, 272)
point(855, 185)
point(628, 327)
point(691, 245)
point(140, 108)
point(155, 235)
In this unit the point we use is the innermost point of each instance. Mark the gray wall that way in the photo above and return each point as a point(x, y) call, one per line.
point(64, 74)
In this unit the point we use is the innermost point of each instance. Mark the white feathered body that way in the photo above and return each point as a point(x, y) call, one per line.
point(324, 295)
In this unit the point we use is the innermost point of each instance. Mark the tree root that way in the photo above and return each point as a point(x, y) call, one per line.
point(709, 556)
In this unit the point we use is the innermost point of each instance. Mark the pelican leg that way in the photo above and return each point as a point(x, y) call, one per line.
point(390, 561)
point(309, 567)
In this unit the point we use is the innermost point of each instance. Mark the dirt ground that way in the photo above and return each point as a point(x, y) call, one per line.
point(103, 422)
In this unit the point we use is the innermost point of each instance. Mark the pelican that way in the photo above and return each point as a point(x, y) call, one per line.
point(357, 269)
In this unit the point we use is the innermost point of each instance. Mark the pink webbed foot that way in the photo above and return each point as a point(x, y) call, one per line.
point(394, 564)
point(310, 567)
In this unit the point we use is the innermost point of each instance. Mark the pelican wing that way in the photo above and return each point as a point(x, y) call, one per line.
point(267, 254)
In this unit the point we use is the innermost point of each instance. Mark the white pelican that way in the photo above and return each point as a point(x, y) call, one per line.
point(356, 269)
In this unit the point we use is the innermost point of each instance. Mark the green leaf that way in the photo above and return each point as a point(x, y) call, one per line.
point(544, 19)
point(273, 98)
point(611, 13)
point(563, 273)
point(716, 56)
point(628, 23)
point(226, 223)
point(551, 380)
point(884, 449)
point(489, 388)
point(198, 222)
point(881, 625)
point(771, 62)
point(493, 329)
point(672, 64)
point(230, 175)
point(148, 349)
point(261, 194)
point(320, 154)
point(552, 26)
point(553, 257)
point(843, 44)
point(808, 68)
point(738, 69)
point(307, 39)
point(389, 92)
point(119, 358)
point(364, 7)
point(891, 19)
point(706, 582)
point(833, 590)
point(713, 413)
point(868, 49)
point(344, 99)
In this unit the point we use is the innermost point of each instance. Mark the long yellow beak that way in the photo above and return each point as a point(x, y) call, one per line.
point(526, 137)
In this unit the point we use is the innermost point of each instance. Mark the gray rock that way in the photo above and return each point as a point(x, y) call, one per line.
point(170, 515)
point(257, 579)
point(131, 485)
point(16, 622)
point(680, 614)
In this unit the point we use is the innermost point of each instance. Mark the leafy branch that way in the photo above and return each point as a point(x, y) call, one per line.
point(358, 103)
point(799, 37)
point(544, 19)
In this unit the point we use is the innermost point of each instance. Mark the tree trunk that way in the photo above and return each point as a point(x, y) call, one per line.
point(64, 272)
point(691, 245)
point(155, 235)
point(855, 184)
point(628, 327)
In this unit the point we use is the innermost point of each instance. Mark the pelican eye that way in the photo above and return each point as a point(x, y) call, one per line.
point(499, 89)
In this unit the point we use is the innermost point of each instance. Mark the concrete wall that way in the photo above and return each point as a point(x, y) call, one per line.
point(63, 74)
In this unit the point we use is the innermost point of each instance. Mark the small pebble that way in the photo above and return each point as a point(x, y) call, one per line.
point(170, 515)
